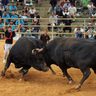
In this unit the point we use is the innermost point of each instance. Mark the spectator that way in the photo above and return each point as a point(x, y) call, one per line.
point(36, 24)
point(24, 17)
point(13, 26)
point(58, 10)
point(45, 37)
point(4, 3)
point(67, 4)
point(73, 2)
point(6, 16)
point(65, 13)
point(90, 31)
point(1, 29)
point(32, 12)
point(90, 9)
point(53, 21)
point(14, 16)
point(53, 4)
point(67, 23)
point(79, 32)
point(12, 7)
point(1, 10)
point(72, 10)
point(94, 2)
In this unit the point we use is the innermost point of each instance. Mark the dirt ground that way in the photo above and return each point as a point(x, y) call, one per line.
point(43, 84)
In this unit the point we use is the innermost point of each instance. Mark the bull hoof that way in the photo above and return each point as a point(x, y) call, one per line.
point(71, 82)
point(2, 74)
point(53, 73)
point(78, 87)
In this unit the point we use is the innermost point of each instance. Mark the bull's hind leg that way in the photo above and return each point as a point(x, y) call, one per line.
point(6, 66)
point(65, 73)
point(86, 73)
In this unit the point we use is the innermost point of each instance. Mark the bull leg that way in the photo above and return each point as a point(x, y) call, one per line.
point(65, 73)
point(24, 71)
point(86, 73)
point(53, 72)
point(6, 67)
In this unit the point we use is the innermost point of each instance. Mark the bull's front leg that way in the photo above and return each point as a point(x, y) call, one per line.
point(53, 72)
point(86, 73)
point(5, 69)
point(23, 72)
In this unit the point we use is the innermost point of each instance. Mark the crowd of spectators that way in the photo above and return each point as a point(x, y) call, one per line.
point(64, 13)
point(10, 16)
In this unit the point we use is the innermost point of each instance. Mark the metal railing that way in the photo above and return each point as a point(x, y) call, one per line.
point(77, 22)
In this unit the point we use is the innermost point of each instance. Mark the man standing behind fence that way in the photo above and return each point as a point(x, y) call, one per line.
point(9, 34)
point(45, 37)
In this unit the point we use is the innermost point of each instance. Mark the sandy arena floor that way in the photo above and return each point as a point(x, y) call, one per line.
point(43, 84)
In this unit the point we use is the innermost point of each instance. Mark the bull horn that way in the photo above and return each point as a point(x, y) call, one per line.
point(37, 49)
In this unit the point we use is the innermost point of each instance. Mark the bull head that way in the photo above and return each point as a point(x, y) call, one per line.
point(37, 50)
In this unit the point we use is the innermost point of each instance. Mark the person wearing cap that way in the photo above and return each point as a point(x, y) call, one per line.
point(9, 34)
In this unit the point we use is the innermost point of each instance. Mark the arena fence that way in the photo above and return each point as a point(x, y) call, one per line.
point(55, 30)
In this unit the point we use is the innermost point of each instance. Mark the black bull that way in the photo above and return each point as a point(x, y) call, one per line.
point(22, 57)
point(71, 52)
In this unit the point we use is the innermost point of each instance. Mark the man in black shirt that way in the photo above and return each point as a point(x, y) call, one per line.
point(45, 37)
point(9, 34)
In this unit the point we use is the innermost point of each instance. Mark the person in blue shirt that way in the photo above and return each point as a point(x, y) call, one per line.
point(12, 7)
point(14, 16)
point(6, 16)
point(13, 26)
point(1, 29)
